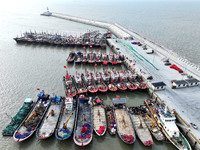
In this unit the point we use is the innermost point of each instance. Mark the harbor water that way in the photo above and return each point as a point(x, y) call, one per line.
point(24, 68)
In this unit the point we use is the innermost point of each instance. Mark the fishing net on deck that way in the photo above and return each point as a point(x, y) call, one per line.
point(17, 119)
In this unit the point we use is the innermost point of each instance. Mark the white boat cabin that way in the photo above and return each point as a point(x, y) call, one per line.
point(158, 86)
point(68, 103)
point(168, 122)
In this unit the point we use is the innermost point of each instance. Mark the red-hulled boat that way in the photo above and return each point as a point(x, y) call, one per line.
point(142, 85)
point(112, 86)
point(80, 85)
point(102, 86)
point(69, 86)
point(71, 57)
point(91, 85)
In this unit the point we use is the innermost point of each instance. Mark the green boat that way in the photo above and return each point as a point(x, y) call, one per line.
point(19, 117)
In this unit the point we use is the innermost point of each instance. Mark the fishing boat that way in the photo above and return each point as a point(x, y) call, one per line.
point(114, 75)
point(141, 129)
point(151, 124)
point(69, 86)
point(85, 57)
point(80, 85)
point(112, 127)
point(79, 57)
point(65, 126)
point(71, 57)
point(104, 59)
point(141, 85)
point(117, 59)
point(91, 58)
point(83, 130)
point(102, 86)
point(88, 79)
point(33, 120)
point(48, 124)
point(166, 120)
point(111, 58)
point(19, 117)
point(112, 86)
point(131, 77)
point(98, 57)
point(121, 84)
point(97, 76)
point(125, 128)
point(99, 117)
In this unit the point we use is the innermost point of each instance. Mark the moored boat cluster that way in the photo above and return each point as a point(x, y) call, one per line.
point(103, 81)
point(94, 58)
point(91, 38)
point(78, 115)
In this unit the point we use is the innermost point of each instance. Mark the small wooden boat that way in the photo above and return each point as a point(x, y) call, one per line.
point(140, 127)
point(99, 117)
point(69, 86)
point(31, 123)
point(19, 117)
point(125, 128)
point(80, 85)
point(83, 130)
point(112, 126)
point(79, 57)
point(166, 121)
point(112, 86)
point(48, 124)
point(151, 124)
point(71, 57)
point(65, 126)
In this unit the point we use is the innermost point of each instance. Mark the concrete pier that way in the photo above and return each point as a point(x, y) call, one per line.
point(184, 100)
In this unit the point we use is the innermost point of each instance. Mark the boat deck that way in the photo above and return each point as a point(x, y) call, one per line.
point(99, 118)
point(142, 132)
point(83, 109)
point(49, 124)
point(122, 128)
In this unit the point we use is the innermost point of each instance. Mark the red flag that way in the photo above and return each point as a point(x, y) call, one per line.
point(65, 66)
point(95, 64)
point(83, 47)
point(67, 76)
point(121, 71)
point(117, 96)
point(133, 64)
point(38, 89)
